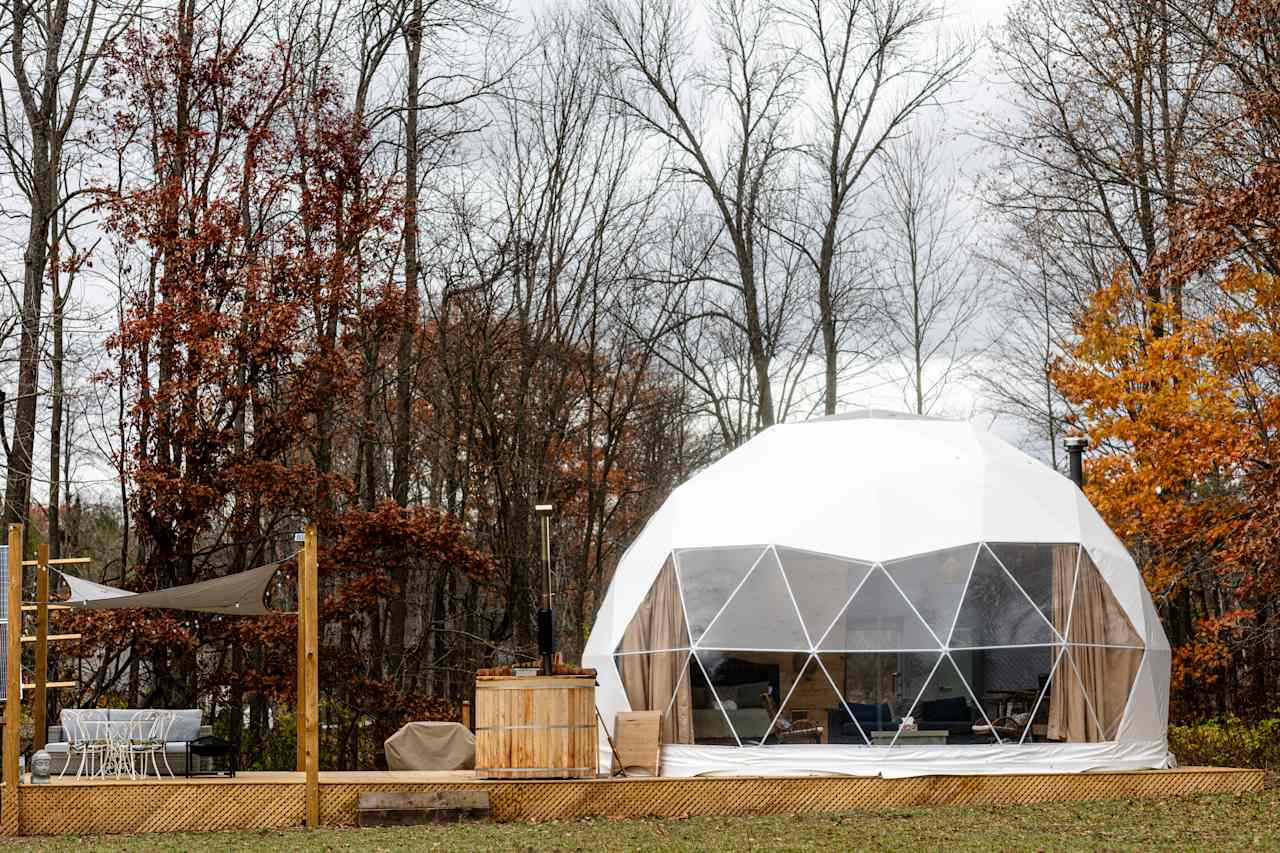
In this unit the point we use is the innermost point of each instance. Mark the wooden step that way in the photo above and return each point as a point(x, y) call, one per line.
point(390, 808)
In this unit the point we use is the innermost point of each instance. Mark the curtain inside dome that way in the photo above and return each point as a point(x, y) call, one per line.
point(657, 681)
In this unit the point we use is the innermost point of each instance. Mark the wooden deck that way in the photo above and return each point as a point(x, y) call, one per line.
point(276, 800)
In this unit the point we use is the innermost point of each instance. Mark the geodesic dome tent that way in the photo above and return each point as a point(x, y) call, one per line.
point(788, 607)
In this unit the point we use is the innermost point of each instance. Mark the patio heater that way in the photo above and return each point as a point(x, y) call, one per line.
point(546, 640)
point(1075, 446)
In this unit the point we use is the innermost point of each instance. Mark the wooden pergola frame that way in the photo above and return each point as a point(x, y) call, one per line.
point(308, 691)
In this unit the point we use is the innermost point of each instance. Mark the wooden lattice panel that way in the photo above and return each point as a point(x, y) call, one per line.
point(556, 800)
point(171, 807)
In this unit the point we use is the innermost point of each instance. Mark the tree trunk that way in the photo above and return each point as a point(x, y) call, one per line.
point(17, 493)
point(58, 303)
point(409, 316)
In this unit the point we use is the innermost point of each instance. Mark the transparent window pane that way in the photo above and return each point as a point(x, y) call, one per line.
point(808, 697)
point(660, 682)
point(760, 615)
point(708, 576)
point(1106, 676)
point(1046, 573)
point(934, 583)
point(877, 690)
point(878, 618)
point(658, 624)
point(821, 585)
point(1007, 684)
point(1096, 616)
point(747, 686)
point(945, 707)
point(995, 612)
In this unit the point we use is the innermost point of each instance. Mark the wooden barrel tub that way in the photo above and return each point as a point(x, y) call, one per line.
point(539, 727)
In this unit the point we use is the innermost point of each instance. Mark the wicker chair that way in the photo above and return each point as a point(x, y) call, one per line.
point(788, 731)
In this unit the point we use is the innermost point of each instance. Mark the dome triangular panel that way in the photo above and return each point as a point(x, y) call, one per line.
point(934, 584)
point(708, 577)
point(878, 618)
point(996, 612)
point(820, 585)
point(759, 615)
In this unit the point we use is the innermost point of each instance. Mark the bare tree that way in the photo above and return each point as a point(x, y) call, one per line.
point(875, 65)
point(930, 276)
point(726, 121)
point(438, 24)
point(1109, 103)
point(53, 52)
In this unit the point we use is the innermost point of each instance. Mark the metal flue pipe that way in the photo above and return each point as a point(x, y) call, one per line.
point(546, 635)
point(1075, 446)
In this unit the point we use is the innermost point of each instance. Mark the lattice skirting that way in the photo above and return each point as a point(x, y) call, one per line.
point(170, 807)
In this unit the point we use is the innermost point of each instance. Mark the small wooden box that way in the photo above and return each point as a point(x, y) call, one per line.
point(542, 727)
point(637, 740)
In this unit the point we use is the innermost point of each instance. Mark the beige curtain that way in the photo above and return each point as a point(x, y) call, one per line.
point(1093, 674)
point(652, 680)
point(1068, 713)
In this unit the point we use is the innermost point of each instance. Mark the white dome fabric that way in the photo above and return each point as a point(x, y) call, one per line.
point(788, 606)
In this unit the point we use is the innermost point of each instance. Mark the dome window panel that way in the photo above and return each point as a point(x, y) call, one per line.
point(878, 618)
point(876, 690)
point(708, 577)
point(761, 614)
point(660, 682)
point(807, 697)
point(1007, 685)
point(946, 709)
point(1045, 572)
point(820, 585)
point(996, 612)
point(934, 584)
point(658, 623)
point(736, 693)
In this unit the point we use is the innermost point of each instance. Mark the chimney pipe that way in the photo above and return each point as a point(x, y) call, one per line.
point(546, 635)
point(1075, 446)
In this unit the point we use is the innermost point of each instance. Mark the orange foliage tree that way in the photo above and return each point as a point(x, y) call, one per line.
point(1182, 399)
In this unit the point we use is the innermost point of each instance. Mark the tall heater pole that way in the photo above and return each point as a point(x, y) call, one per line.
point(1075, 446)
point(546, 637)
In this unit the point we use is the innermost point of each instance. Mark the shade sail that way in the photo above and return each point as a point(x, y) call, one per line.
point(240, 594)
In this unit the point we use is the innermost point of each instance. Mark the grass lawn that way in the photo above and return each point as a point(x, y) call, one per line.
point(1197, 823)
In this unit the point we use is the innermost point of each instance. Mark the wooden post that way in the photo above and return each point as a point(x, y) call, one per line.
point(313, 677)
point(40, 704)
point(13, 698)
point(300, 719)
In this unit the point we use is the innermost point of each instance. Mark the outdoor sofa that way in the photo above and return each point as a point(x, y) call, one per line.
point(186, 727)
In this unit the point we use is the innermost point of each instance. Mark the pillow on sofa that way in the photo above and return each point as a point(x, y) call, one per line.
point(701, 698)
point(867, 713)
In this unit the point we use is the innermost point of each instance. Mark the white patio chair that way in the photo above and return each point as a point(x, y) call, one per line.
point(91, 743)
point(153, 743)
point(140, 731)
